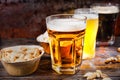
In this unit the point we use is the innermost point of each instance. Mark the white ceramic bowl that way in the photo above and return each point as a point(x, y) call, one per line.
point(22, 68)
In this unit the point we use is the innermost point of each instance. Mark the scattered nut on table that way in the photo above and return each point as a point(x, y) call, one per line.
point(92, 76)
point(99, 73)
point(96, 75)
point(113, 59)
point(104, 75)
point(88, 74)
point(118, 57)
point(118, 49)
point(107, 78)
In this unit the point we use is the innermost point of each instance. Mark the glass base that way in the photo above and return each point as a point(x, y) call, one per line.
point(88, 56)
point(64, 70)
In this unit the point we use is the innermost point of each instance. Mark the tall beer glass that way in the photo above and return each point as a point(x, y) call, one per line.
point(66, 42)
point(91, 31)
point(107, 18)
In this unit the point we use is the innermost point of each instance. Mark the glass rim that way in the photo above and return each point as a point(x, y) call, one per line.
point(85, 10)
point(69, 20)
point(111, 7)
point(105, 4)
point(65, 16)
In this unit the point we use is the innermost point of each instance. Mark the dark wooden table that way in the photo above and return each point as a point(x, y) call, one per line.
point(45, 72)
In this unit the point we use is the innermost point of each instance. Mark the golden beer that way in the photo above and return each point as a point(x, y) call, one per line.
point(90, 38)
point(66, 43)
point(90, 33)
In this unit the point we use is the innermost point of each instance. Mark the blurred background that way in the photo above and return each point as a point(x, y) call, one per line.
point(26, 18)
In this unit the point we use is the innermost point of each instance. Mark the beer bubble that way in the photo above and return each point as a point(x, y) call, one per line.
point(68, 25)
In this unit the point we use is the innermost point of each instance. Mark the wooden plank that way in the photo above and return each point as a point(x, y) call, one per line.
point(45, 71)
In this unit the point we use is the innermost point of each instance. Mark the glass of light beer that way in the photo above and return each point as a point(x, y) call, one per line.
point(107, 19)
point(91, 31)
point(66, 35)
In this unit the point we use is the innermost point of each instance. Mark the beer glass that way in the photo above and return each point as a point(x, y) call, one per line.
point(107, 18)
point(66, 35)
point(91, 31)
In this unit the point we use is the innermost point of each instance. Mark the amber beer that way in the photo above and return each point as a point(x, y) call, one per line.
point(91, 31)
point(107, 18)
point(66, 42)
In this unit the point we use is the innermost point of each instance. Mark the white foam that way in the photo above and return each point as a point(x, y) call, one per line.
point(66, 25)
point(106, 9)
point(89, 16)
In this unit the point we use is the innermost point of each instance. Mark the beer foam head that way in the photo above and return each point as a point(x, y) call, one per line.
point(106, 9)
point(89, 15)
point(68, 25)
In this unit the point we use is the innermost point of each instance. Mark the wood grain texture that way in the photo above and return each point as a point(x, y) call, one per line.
point(45, 72)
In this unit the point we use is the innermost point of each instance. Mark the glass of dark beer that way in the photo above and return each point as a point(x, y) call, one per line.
point(107, 18)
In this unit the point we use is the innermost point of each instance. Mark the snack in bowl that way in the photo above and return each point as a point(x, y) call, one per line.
point(44, 42)
point(21, 60)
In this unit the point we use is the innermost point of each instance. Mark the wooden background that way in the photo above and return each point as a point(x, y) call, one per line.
point(26, 18)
